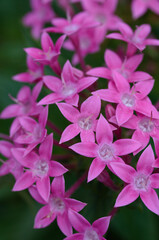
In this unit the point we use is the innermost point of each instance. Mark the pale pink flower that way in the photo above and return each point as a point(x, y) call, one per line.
point(129, 100)
point(85, 229)
point(57, 206)
point(139, 183)
point(33, 132)
point(41, 13)
point(83, 121)
point(38, 168)
point(67, 88)
point(105, 151)
point(140, 7)
point(137, 39)
point(25, 103)
point(126, 68)
point(34, 74)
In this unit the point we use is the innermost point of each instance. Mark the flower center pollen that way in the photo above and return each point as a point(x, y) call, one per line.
point(85, 123)
point(141, 182)
point(41, 168)
point(105, 152)
point(128, 100)
point(91, 235)
point(146, 125)
point(57, 205)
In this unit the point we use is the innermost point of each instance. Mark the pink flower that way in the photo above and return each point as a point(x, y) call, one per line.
point(126, 68)
point(85, 229)
point(139, 183)
point(139, 7)
point(136, 40)
point(66, 88)
point(49, 53)
point(41, 13)
point(145, 127)
point(58, 206)
point(25, 103)
point(129, 100)
point(34, 74)
point(83, 122)
point(11, 165)
point(105, 152)
point(80, 21)
point(33, 132)
point(38, 168)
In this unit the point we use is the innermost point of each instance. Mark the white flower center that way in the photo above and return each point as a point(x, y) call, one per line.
point(84, 42)
point(37, 132)
point(57, 205)
point(41, 168)
point(105, 152)
point(146, 125)
point(141, 182)
point(68, 90)
point(91, 235)
point(128, 100)
point(85, 123)
point(71, 28)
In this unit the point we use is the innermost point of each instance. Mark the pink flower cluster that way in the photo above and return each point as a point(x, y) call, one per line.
point(75, 92)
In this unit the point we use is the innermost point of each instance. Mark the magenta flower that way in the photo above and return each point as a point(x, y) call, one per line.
point(98, 5)
point(139, 7)
point(58, 206)
point(66, 88)
point(34, 74)
point(105, 151)
point(129, 100)
point(25, 103)
point(49, 53)
point(38, 168)
point(33, 132)
point(83, 122)
point(139, 183)
point(11, 165)
point(145, 127)
point(80, 21)
point(41, 13)
point(126, 68)
point(137, 39)
point(85, 229)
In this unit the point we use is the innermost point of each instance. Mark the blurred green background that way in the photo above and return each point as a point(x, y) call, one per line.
point(17, 210)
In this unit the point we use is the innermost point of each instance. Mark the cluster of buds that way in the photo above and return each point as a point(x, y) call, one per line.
point(131, 120)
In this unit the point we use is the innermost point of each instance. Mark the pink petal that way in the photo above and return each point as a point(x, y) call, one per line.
point(46, 42)
point(25, 181)
point(73, 100)
point(150, 199)
point(142, 138)
point(85, 82)
point(59, 43)
point(85, 149)
point(126, 196)
point(23, 77)
point(68, 111)
point(53, 83)
point(44, 217)
point(146, 161)
point(125, 29)
point(43, 187)
point(143, 31)
point(112, 59)
point(58, 186)
point(43, 117)
point(70, 132)
point(143, 92)
point(28, 123)
point(64, 224)
point(92, 106)
point(97, 166)
point(45, 149)
point(36, 90)
point(56, 169)
point(79, 223)
point(5, 148)
point(145, 107)
point(133, 62)
point(34, 193)
point(75, 204)
point(108, 95)
point(101, 72)
point(35, 53)
point(11, 111)
point(152, 42)
point(103, 131)
point(138, 8)
point(102, 225)
point(140, 76)
point(24, 94)
point(120, 82)
point(123, 114)
point(87, 136)
point(125, 146)
point(115, 36)
point(50, 99)
point(76, 236)
point(154, 180)
point(123, 171)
